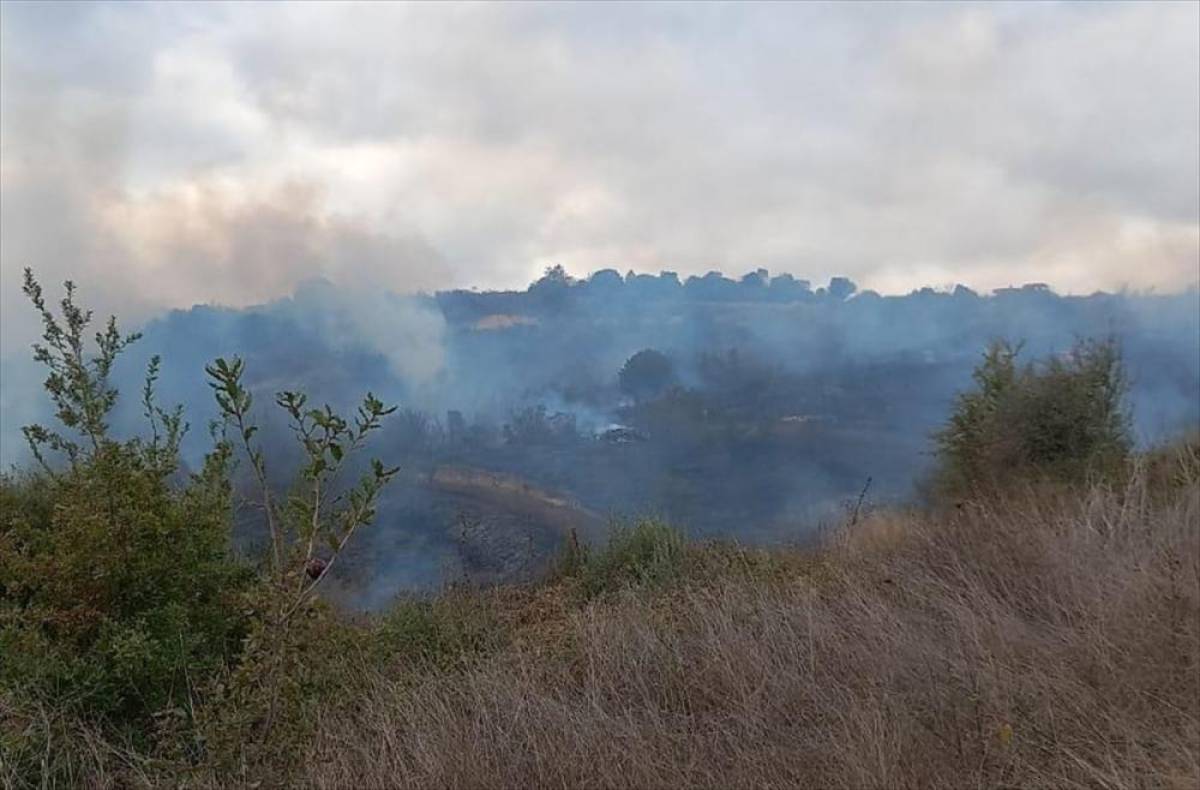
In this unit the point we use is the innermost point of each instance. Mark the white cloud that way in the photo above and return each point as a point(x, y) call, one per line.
point(164, 155)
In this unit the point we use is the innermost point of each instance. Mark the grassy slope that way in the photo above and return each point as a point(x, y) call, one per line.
point(1052, 639)
point(1047, 639)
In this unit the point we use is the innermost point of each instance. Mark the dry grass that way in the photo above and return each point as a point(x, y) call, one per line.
point(1050, 638)
point(1047, 640)
point(64, 751)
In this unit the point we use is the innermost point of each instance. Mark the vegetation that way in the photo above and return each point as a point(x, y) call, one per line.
point(1063, 418)
point(783, 399)
point(121, 602)
point(118, 588)
point(1045, 632)
point(1044, 640)
point(647, 552)
point(646, 374)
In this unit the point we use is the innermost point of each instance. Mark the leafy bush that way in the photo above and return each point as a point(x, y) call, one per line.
point(257, 717)
point(1062, 418)
point(261, 710)
point(118, 588)
point(120, 599)
point(439, 633)
point(648, 552)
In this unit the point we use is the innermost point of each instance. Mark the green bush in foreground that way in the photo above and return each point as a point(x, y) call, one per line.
point(1061, 418)
point(121, 604)
point(118, 588)
point(439, 633)
point(647, 552)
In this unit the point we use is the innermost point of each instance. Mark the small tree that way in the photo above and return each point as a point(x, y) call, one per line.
point(646, 374)
point(842, 288)
point(1062, 418)
point(308, 529)
point(551, 291)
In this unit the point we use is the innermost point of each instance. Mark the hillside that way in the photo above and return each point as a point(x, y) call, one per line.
point(636, 395)
point(1031, 619)
point(1049, 638)
point(778, 401)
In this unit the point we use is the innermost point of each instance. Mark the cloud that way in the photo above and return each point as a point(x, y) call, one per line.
point(165, 155)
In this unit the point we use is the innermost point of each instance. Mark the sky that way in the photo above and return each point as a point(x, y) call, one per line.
point(163, 155)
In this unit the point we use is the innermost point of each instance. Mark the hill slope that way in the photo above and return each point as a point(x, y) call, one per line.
point(1046, 638)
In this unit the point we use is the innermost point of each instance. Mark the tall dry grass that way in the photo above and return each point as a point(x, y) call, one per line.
point(1047, 639)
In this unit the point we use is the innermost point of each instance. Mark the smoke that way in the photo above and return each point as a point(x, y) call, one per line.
point(407, 331)
point(210, 153)
point(782, 401)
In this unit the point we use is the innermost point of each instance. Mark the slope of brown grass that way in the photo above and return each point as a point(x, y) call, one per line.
point(1048, 640)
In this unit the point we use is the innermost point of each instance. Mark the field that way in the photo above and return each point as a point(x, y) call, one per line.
point(1046, 637)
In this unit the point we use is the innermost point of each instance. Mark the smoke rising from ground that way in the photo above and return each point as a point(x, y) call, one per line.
point(302, 184)
point(774, 403)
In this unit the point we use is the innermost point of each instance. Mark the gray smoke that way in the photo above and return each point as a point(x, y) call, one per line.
point(781, 399)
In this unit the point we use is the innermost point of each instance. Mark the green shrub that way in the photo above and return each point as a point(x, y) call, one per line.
point(1062, 419)
point(118, 587)
point(121, 604)
point(648, 552)
point(441, 632)
point(255, 718)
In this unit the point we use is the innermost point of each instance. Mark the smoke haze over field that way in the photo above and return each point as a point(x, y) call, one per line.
point(761, 405)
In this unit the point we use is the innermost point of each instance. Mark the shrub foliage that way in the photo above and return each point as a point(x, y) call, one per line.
point(118, 587)
point(121, 601)
point(1061, 418)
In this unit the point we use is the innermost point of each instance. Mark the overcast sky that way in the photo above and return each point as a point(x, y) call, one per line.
point(164, 155)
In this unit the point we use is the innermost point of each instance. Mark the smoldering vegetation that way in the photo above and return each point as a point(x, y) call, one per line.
point(765, 404)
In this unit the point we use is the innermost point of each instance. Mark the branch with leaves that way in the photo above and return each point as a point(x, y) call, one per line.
point(316, 514)
point(79, 388)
